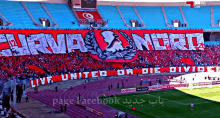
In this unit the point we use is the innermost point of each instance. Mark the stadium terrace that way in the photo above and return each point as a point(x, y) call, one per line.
point(109, 59)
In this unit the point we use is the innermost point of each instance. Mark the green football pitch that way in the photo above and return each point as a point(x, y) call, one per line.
point(170, 103)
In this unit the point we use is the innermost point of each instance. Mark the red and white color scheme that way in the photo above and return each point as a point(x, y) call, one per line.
point(166, 86)
point(104, 73)
point(91, 110)
point(151, 88)
point(195, 4)
point(85, 15)
point(191, 3)
point(172, 86)
point(103, 45)
point(95, 112)
point(128, 90)
point(215, 82)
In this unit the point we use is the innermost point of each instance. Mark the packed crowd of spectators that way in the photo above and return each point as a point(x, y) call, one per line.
point(55, 64)
point(9, 113)
point(209, 57)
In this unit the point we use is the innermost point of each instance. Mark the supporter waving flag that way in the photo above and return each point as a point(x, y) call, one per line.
point(117, 65)
point(187, 61)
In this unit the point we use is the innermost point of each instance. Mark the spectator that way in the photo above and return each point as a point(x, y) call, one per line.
point(109, 88)
point(65, 106)
point(122, 84)
point(84, 86)
point(79, 96)
point(27, 98)
point(13, 115)
point(56, 88)
point(12, 96)
point(126, 115)
point(61, 108)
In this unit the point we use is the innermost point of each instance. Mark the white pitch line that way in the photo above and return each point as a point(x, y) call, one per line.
point(173, 101)
point(141, 111)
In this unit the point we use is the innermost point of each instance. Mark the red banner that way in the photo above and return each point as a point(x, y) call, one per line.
point(91, 110)
point(103, 45)
point(173, 86)
point(36, 69)
point(128, 90)
point(216, 82)
point(151, 88)
point(121, 72)
point(166, 86)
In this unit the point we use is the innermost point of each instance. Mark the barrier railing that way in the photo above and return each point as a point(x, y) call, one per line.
point(99, 22)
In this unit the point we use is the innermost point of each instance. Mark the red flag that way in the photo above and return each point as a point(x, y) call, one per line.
point(36, 68)
point(117, 65)
point(188, 61)
point(191, 3)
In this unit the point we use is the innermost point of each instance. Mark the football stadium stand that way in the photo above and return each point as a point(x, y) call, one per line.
point(173, 13)
point(49, 64)
point(63, 16)
point(153, 16)
point(37, 11)
point(71, 46)
point(128, 13)
point(195, 19)
point(17, 14)
point(110, 12)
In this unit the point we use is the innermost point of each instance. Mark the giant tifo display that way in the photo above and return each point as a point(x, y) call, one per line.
point(99, 43)
point(109, 59)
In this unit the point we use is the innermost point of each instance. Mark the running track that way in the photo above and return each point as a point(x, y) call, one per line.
point(92, 91)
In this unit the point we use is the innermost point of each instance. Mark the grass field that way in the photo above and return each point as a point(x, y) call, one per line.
point(171, 103)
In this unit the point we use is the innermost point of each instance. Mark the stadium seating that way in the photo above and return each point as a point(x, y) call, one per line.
point(37, 11)
point(110, 12)
point(16, 14)
point(152, 16)
point(216, 14)
point(198, 18)
point(173, 13)
point(64, 17)
point(212, 43)
point(129, 14)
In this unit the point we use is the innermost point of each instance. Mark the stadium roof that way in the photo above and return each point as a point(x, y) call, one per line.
point(120, 0)
point(136, 2)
